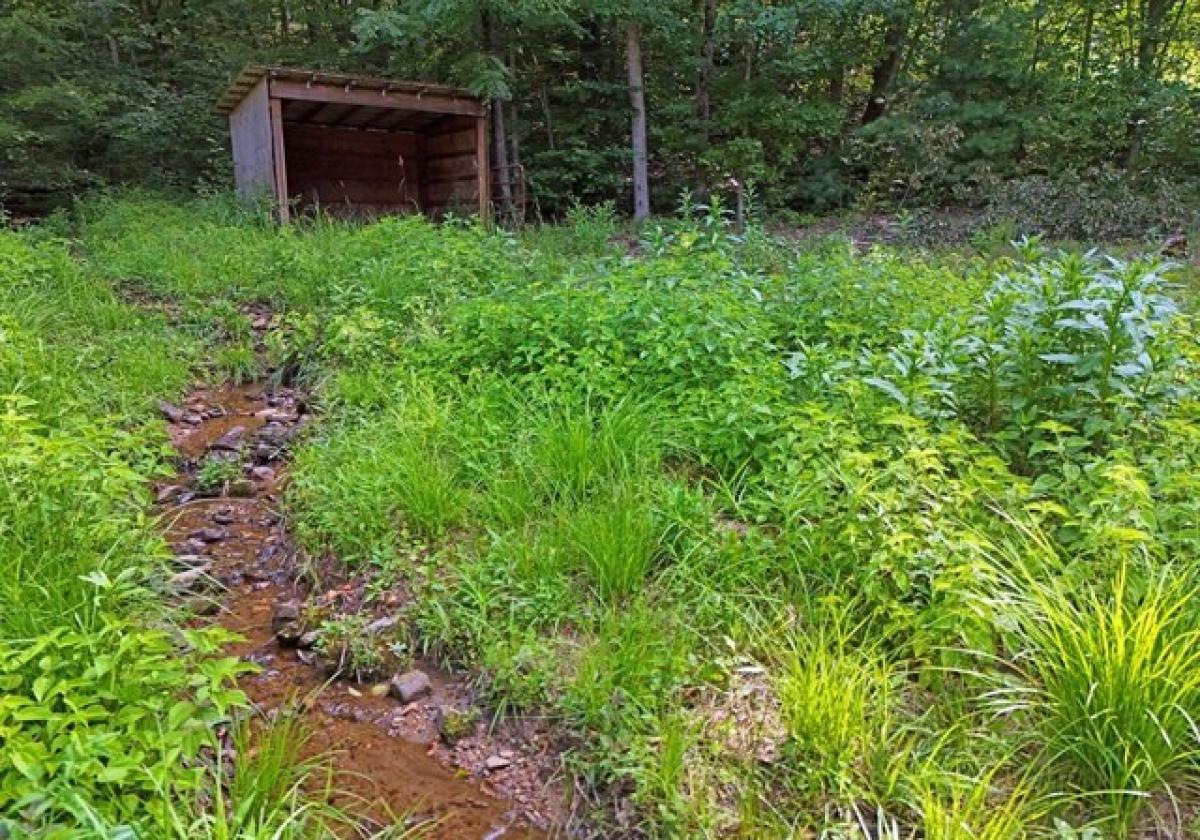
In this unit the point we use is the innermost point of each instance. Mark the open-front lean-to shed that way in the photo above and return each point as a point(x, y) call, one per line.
point(357, 145)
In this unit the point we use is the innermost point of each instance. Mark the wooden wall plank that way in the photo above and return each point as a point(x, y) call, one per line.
point(343, 168)
point(250, 133)
point(279, 158)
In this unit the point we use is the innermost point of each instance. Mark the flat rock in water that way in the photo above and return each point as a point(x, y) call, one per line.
point(231, 441)
point(288, 610)
point(170, 411)
point(190, 580)
point(208, 535)
point(411, 686)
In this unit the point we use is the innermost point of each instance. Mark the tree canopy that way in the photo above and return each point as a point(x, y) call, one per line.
point(817, 102)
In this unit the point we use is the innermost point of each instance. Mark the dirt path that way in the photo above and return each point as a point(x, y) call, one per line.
point(390, 757)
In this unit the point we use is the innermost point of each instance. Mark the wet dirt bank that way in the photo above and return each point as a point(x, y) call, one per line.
point(393, 755)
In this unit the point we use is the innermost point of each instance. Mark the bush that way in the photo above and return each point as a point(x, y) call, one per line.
point(1098, 206)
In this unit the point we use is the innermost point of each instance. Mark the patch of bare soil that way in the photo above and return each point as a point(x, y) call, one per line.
point(412, 747)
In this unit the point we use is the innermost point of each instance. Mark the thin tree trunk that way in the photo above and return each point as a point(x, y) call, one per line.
point(708, 52)
point(1085, 53)
point(637, 99)
point(704, 75)
point(883, 74)
point(499, 133)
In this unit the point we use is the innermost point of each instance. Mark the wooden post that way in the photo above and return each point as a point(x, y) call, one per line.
point(281, 184)
point(481, 158)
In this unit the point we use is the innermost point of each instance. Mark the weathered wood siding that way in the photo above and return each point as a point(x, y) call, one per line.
point(352, 171)
point(250, 129)
point(452, 167)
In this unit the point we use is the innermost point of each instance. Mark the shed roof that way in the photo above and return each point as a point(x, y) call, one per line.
point(252, 74)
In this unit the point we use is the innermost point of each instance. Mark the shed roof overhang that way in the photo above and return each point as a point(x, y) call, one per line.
point(349, 101)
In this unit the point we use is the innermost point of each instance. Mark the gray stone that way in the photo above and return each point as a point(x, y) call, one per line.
point(170, 411)
point(284, 612)
point(223, 517)
point(381, 625)
point(308, 641)
point(192, 561)
point(496, 762)
point(167, 493)
point(208, 535)
point(191, 580)
point(411, 686)
point(231, 441)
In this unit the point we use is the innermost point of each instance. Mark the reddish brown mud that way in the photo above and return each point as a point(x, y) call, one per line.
point(390, 765)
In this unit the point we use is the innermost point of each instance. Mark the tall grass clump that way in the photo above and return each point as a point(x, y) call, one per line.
point(579, 448)
point(838, 702)
point(1109, 677)
point(616, 541)
point(267, 788)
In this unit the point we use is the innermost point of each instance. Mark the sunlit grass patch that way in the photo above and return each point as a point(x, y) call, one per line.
point(1109, 677)
point(839, 702)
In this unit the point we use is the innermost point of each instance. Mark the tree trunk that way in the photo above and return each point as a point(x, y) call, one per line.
point(548, 116)
point(499, 133)
point(1153, 40)
point(708, 52)
point(1085, 52)
point(883, 74)
point(704, 75)
point(637, 99)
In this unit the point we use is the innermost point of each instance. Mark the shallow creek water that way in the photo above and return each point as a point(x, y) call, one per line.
point(386, 756)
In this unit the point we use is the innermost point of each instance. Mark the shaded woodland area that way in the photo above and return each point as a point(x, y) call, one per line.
point(819, 104)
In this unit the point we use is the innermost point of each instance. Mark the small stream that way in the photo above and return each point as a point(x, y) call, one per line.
point(232, 545)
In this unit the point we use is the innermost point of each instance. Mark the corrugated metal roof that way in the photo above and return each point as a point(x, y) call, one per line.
point(252, 74)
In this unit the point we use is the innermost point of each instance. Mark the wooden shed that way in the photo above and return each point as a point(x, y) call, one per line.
point(357, 145)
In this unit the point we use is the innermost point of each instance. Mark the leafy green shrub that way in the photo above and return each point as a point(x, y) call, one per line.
point(97, 722)
point(70, 510)
point(217, 473)
point(1066, 340)
point(1103, 205)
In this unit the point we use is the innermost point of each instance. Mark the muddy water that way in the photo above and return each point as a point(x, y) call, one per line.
point(387, 760)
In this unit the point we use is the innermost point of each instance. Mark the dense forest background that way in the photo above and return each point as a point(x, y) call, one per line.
point(1049, 107)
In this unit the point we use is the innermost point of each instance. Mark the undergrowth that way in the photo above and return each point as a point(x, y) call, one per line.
point(790, 539)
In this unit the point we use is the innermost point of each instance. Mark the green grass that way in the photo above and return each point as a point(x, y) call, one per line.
point(1109, 677)
point(722, 512)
